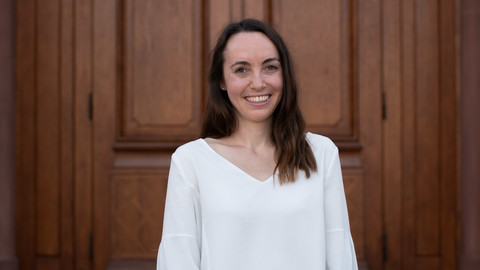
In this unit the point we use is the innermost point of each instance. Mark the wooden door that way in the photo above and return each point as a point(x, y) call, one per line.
point(106, 90)
point(149, 94)
point(420, 174)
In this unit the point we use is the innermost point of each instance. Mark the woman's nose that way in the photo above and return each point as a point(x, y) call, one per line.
point(257, 81)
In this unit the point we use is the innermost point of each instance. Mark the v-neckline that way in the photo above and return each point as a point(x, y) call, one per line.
point(231, 164)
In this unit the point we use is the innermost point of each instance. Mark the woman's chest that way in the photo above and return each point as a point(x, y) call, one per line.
point(233, 194)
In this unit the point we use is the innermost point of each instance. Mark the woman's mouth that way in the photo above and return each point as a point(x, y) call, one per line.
point(257, 99)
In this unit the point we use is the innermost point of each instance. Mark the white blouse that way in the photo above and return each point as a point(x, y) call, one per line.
point(218, 217)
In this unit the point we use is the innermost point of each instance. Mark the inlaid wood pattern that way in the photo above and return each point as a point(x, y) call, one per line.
point(138, 201)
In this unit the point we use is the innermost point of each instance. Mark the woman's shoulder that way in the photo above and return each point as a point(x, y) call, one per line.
point(319, 142)
point(190, 149)
point(323, 149)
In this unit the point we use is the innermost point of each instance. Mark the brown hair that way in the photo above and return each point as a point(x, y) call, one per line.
point(288, 126)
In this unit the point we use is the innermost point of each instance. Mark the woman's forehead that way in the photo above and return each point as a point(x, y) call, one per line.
point(248, 45)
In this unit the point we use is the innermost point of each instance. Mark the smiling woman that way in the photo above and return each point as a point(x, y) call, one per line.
point(252, 77)
point(257, 191)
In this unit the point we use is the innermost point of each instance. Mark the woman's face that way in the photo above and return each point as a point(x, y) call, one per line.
point(252, 75)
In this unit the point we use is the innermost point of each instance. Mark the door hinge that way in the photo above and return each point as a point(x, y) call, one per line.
point(384, 106)
point(384, 247)
point(90, 106)
point(90, 247)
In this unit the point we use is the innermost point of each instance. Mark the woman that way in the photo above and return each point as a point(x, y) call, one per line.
point(256, 192)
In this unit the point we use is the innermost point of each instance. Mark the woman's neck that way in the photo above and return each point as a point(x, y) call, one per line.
point(252, 135)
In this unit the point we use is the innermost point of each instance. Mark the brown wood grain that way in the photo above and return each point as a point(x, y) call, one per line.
point(449, 173)
point(427, 129)
point(66, 130)
point(469, 65)
point(8, 259)
point(162, 87)
point(392, 133)
point(256, 9)
point(354, 184)
point(126, 264)
point(136, 225)
point(429, 183)
point(47, 263)
point(25, 134)
point(47, 194)
point(369, 95)
point(319, 37)
point(408, 126)
point(105, 93)
point(82, 141)
point(218, 12)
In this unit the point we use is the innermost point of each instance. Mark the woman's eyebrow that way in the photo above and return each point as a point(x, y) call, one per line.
point(270, 60)
point(240, 63)
point(264, 62)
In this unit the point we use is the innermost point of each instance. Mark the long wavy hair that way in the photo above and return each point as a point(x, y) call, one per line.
point(293, 153)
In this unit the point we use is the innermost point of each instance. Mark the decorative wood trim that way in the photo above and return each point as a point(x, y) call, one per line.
point(469, 154)
point(369, 88)
point(392, 135)
point(66, 130)
point(25, 134)
point(104, 66)
point(44, 123)
point(83, 141)
point(449, 172)
point(47, 91)
point(408, 121)
point(7, 135)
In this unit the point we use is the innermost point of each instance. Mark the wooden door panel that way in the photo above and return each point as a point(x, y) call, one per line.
point(419, 136)
point(44, 224)
point(318, 34)
point(161, 59)
point(136, 216)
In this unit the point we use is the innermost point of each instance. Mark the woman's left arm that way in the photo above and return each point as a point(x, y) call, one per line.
point(340, 252)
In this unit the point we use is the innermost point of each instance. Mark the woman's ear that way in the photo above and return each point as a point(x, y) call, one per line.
point(222, 85)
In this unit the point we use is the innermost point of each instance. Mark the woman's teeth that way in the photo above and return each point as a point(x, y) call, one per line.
point(258, 99)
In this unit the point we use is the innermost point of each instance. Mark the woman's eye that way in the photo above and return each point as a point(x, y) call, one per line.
point(272, 67)
point(240, 70)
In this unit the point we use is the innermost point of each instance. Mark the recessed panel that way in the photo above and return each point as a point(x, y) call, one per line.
point(318, 35)
point(161, 60)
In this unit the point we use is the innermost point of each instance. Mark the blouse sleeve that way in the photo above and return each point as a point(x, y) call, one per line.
point(181, 243)
point(340, 252)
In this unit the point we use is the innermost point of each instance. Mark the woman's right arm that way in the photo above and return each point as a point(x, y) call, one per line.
point(181, 237)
